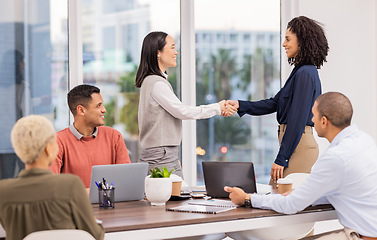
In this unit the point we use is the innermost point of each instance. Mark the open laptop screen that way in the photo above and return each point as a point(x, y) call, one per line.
point(128, 180)
point(232, 174)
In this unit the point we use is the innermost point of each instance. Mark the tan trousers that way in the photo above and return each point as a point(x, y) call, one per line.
point(305, 154)
point(343, 234)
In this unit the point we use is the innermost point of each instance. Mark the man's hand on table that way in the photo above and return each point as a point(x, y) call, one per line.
point(237, 195)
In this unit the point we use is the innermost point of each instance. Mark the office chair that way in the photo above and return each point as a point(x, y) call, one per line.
point(60, 234)
point(297, 178)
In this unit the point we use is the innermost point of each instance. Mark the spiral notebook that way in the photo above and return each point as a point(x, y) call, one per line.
point(200, 209)
point(214, 203)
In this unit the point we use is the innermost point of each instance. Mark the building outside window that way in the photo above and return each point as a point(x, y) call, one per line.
point(236, 63)
point(237, 57)
point(113, 32)
point(33, 69)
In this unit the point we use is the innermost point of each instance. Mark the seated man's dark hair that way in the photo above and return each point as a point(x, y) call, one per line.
point(80, 95)
point(336, 107)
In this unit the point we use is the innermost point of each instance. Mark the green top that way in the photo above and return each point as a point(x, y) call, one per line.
point(40, 200)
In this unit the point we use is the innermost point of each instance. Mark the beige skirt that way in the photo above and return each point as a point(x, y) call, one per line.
point(305, 154)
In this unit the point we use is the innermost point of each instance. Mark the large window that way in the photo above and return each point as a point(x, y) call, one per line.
point(237, 57)
point(112, 33)
point(33, 69)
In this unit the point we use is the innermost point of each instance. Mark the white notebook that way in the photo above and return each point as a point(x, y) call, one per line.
point(200, 209)
point(214, 203)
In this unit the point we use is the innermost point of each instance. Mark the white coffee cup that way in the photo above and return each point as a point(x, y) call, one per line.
point(284, 185)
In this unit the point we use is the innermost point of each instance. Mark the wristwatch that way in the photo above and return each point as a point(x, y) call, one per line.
point(247, 202)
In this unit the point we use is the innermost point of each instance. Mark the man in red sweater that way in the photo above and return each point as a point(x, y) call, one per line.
point(86, 142)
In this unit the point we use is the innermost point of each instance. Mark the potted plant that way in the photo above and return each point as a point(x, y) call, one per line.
point(158, 186)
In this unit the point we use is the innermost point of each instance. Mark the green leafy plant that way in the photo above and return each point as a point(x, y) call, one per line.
point(160, 173)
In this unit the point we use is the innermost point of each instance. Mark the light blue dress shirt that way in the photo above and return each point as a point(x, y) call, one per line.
point(344, 176)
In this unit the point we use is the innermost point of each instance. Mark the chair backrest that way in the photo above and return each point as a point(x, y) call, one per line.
point(60, 234)
point(297, 178)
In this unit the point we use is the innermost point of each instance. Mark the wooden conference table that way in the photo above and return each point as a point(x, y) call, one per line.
point(140, 220)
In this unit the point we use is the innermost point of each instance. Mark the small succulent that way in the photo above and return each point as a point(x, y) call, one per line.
point(160, 173)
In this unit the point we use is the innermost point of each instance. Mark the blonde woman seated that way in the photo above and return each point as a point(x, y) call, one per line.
point(38, 199)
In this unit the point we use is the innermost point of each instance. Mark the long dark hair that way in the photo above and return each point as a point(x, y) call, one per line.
point(312, 42)
point(153, 42)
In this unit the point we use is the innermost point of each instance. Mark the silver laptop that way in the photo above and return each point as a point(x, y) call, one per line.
point(231, 174)
point(128, 180)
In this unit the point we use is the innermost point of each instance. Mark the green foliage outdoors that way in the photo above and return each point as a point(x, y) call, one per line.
point(228, 131)
point(231, 131)
point(109, 116)
point(257, 70)
point(129, 113)
point(127, 82)
point(224, 65)
point(160, 173)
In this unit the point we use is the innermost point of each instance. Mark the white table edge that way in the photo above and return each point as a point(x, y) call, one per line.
point(221, 226)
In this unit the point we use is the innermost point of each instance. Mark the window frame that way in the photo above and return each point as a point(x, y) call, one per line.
point(75, 55)
point(187, 74)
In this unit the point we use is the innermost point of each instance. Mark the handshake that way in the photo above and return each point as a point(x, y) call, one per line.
point(228, 107)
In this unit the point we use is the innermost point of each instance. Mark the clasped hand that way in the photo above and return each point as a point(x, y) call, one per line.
point(228, 107)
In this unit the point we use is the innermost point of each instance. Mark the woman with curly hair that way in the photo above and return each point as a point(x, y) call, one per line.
point(306, 48)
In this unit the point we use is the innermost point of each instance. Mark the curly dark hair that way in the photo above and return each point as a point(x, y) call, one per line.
point(312, 42)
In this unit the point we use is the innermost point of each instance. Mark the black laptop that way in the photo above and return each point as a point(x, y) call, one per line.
point(232, 174)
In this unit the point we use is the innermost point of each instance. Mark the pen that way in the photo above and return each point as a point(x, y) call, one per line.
point(112, 183)
point(102, 186)
point(97, 184)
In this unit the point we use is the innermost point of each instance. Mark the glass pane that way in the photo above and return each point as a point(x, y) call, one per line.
point(33, 69)
point(237, 57)
point(113, 32)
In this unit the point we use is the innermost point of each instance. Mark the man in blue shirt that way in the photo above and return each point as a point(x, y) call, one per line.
point(345, 175)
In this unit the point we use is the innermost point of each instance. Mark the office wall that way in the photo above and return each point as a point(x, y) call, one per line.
point(351, 28)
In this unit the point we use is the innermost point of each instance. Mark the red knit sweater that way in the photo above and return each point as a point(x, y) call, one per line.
point(79, 156)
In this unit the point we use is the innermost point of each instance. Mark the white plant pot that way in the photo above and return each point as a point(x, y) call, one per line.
point(158, 190)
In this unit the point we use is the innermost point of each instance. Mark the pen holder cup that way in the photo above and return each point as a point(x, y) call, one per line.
point(106, 198)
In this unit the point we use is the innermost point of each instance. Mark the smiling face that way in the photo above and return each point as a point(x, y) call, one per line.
point(290, 44)
point(167, 57)
point(95, 111)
